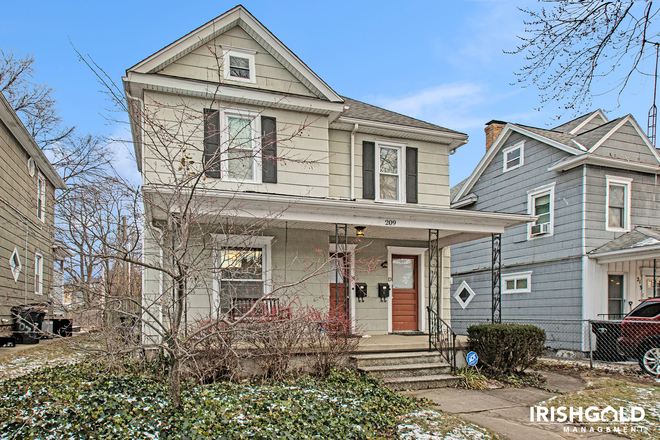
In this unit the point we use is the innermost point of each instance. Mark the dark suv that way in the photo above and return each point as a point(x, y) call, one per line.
point(640, 338)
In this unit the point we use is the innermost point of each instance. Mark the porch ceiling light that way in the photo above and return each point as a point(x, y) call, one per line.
point(359, 230)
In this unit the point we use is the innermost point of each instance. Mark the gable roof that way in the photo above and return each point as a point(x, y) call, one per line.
point(573, 126)
point(361, 110)
point(25, 140)
point(581, 145)
point(238, 16)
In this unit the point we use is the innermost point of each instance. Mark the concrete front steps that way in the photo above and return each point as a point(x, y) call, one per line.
point(408, 370)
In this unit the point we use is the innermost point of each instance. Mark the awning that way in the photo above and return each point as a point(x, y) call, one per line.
point(639, 244)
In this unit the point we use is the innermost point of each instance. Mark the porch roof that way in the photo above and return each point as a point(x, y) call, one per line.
point(639, 244)
point(382, 220)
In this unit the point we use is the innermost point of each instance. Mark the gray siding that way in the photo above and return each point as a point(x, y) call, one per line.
point(645, 199)
point(594, 123)
point(507, 192)
point(627, 145)
point(554, 303)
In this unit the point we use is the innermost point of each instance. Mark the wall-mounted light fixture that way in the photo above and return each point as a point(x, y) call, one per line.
point(359, 230)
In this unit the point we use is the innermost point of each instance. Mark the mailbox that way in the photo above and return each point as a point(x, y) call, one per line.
point(360, 291)
point(383, 290)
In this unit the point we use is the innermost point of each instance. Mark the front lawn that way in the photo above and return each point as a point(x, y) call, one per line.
point(86, 401)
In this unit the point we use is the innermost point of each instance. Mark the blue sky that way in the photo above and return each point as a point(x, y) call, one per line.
point(438, 61)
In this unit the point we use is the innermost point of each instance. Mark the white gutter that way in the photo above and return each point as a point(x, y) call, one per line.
point(404, 128)
point(587, 158)
point(355, 129)
point(470, 199)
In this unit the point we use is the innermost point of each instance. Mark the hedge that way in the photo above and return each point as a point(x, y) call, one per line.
point(506, 348)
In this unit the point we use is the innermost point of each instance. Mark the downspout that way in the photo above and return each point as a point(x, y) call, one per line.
point(355, 129)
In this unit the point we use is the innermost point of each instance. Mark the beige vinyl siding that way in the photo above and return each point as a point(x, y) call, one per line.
point(18, 192)
point(205, 63)
point(433, 167)
point(302, 146)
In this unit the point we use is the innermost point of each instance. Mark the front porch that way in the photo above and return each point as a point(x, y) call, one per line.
point(394, 343)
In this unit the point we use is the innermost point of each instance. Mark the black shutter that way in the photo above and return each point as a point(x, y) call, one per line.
point(212, 162)
point(368, 170)
point(411, 175)
point(268, 149)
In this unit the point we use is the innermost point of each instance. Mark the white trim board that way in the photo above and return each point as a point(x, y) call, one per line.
point(589, 119)
point(238, 16)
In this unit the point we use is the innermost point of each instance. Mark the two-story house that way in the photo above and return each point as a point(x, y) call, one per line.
point(27, 192)
point(593, 184)
point(325, 174)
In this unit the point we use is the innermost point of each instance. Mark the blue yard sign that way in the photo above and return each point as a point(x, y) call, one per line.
point(472, 358)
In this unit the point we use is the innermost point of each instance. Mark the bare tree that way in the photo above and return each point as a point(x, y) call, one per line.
point(574, 46)
point(192, 238)
point(33, 102)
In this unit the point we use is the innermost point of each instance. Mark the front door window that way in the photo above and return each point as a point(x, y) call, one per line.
point(615, 296)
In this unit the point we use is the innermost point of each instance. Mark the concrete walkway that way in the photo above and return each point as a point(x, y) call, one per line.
point(505, 411)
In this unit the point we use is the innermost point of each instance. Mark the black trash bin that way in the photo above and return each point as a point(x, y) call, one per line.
point(62, 328)
point(27, 323)
point(607, 333)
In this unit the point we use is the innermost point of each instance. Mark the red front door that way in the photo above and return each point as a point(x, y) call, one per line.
point(405, 308)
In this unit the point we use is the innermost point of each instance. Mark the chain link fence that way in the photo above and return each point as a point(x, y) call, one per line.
point(631, 340)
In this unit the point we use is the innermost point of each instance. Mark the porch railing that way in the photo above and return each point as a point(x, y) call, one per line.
point(442, 338)
point(267, 308)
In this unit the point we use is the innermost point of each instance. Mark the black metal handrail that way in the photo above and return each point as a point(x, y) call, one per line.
point(442, 338)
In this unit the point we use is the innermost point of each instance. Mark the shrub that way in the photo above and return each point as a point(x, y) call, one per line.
point(506, 348)
point(329, 341)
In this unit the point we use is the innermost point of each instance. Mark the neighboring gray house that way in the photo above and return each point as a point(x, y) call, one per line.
point(593, 185)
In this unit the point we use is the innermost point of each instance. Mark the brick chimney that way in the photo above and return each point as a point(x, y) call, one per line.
point(493, 130)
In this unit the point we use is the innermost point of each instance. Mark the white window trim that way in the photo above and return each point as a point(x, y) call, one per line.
point(15, 271)
point(39, 289)
point(538, 192)
point(264, 242)
point(242, 53)
point(255, 126)
point(402, 171)
point(620, 181)
point(517, 276)
point(464, 285)
point(41, 196)
point(507, 150)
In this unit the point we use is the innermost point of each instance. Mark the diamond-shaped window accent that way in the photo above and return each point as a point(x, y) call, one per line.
point(15, 264)
point(464, 294)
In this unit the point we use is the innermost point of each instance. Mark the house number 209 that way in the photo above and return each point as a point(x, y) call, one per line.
point(390, 222)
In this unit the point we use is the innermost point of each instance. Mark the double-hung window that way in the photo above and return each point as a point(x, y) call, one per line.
point(618, 203)
point(541, 203)
point(517, 282)
point(242, 157)
point(239, 65)
point(244, 271)
point(38, 274)
point(513, 156)
point(41, 197)
point(390, 172)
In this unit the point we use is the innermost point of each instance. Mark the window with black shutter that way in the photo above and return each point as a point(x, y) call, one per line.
point(368, 170)
point(212, 160)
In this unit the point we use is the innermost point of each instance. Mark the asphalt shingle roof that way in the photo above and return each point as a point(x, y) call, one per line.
point(591, 137)
point(639, 237)
point(566, 127)
point(456, 188)
point(361, 110)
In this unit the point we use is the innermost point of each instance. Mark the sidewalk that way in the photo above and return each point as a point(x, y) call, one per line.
point(505, 411)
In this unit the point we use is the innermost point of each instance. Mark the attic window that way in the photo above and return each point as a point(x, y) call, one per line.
point(239, 65)
point(513, 157)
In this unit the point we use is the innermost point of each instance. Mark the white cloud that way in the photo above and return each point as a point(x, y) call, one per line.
point(449, 105)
